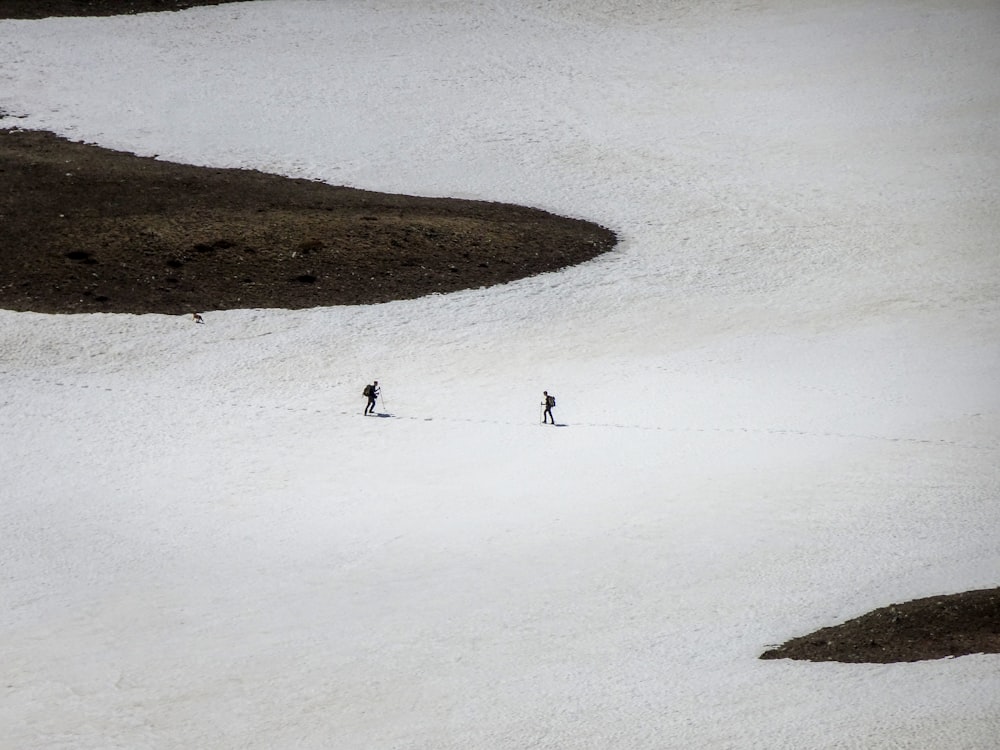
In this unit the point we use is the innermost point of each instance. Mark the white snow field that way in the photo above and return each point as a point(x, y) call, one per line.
point(780, 392)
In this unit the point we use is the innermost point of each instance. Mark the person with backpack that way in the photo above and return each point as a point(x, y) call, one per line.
point(371, 393)
point(548, 402)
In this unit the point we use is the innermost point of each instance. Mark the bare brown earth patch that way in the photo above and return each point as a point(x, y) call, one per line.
point(87, 229)
point(937, 627)
point(34, 9)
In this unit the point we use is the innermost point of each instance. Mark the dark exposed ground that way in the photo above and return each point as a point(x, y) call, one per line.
point(45, 8)
point(933, 628)
point(86, 229)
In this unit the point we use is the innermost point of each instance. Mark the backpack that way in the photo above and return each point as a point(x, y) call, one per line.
point(550, 401)
point(367, 392)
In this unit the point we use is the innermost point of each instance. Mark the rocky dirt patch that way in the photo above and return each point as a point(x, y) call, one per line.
point(33, 9)
point(87, 229)
point(937, 627)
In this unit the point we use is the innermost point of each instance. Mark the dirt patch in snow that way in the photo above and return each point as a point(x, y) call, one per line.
point(87, 229)
point(34, 9)
point(937, 627)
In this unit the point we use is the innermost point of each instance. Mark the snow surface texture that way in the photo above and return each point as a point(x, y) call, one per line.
point(780, 390)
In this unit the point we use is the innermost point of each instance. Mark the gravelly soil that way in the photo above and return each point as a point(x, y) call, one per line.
point(33, 9)
point(933, 628)
point(85, 229)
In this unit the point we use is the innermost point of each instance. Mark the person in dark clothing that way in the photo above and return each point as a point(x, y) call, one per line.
point(371, 391)
point(548, 402)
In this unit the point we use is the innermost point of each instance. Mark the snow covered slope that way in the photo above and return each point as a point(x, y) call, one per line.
point(780, 391)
